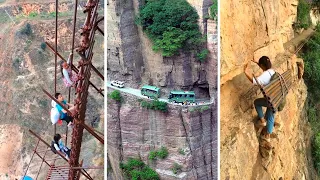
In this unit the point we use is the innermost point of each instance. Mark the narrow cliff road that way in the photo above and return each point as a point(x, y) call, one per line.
point(137, 92)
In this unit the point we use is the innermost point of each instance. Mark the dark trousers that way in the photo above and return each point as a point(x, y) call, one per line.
point(67, 119)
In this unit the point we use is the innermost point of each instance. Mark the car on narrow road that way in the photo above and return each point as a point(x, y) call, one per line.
point(118, 84)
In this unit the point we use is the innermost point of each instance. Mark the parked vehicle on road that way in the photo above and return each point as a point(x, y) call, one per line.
point(184, 97)
point(150, 91)
point(118, 84)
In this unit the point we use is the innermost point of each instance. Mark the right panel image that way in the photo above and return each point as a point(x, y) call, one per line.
point(269, 95)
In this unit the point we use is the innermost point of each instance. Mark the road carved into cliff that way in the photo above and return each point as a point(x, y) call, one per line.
point(137, 92)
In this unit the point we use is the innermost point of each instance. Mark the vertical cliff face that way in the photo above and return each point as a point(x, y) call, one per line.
point(249, 30)
point(134, 131)
point(131, 58)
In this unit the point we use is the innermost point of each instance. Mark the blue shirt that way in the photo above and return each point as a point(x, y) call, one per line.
point(62, 114)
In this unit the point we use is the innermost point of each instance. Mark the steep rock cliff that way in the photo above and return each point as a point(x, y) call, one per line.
point(261, 28)
point(134, 131)
point(131, 58)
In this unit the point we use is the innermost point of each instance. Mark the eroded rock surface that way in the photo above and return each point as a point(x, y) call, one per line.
point(134, 131)
point(262, 28)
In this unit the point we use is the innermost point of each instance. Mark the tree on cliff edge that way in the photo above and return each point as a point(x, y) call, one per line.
point(171, 25)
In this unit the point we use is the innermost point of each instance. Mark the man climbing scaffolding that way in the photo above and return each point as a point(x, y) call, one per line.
point(264, 79)
point(63, 113)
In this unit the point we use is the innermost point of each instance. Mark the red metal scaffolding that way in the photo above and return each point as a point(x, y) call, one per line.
point(83, 70)
point(55, 171)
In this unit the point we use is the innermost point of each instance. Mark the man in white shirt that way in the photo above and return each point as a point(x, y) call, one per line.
point(264, 79)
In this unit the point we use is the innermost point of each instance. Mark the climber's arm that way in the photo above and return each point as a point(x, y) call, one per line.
point(249, 76)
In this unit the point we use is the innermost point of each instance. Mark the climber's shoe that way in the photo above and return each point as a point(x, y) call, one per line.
point(263, 137)
point(260, 123)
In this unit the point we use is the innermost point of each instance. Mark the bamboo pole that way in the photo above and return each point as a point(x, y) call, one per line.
point(284, 74)
point(278, 90)
point(278, 100)
point(275, 83)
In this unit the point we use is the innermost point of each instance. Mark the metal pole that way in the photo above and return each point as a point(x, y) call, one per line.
point(85, 167)
point(41, 164)
point(31, 158)
point(40, 139)
point(55, 57)
point(71, 55)
point(75, 69)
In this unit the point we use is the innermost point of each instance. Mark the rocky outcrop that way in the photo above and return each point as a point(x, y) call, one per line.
point(252, 29)
point(134, 131)
point(131, 58)
point(211, 67)
point(261, 28)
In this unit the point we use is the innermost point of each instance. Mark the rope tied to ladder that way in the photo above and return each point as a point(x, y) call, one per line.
point(283, 84)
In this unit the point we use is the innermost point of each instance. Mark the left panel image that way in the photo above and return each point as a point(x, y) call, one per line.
point(162, 89)
point(51, 81)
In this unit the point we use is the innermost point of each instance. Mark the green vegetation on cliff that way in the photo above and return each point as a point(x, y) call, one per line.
point(172, 26)
point(303, 14)
point(115, 95)
point(311, 57)
point(26, 30)
point(135, 169)
point(214, 10)
point(316, 152)
point(162, 153)
point(155, 105)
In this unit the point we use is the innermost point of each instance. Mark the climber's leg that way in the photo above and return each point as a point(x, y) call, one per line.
point(270, 124)
point(258, 104)
point(270, 120)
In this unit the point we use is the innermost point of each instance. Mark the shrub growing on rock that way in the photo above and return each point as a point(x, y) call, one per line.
point(163, 153)
point(181, 151)
point(26, 30)
point(43, 46)
point(115, 95)
point(176, 168)
point(155, 105)
point(214, 10)
point(152, 155)
point(138, 170)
